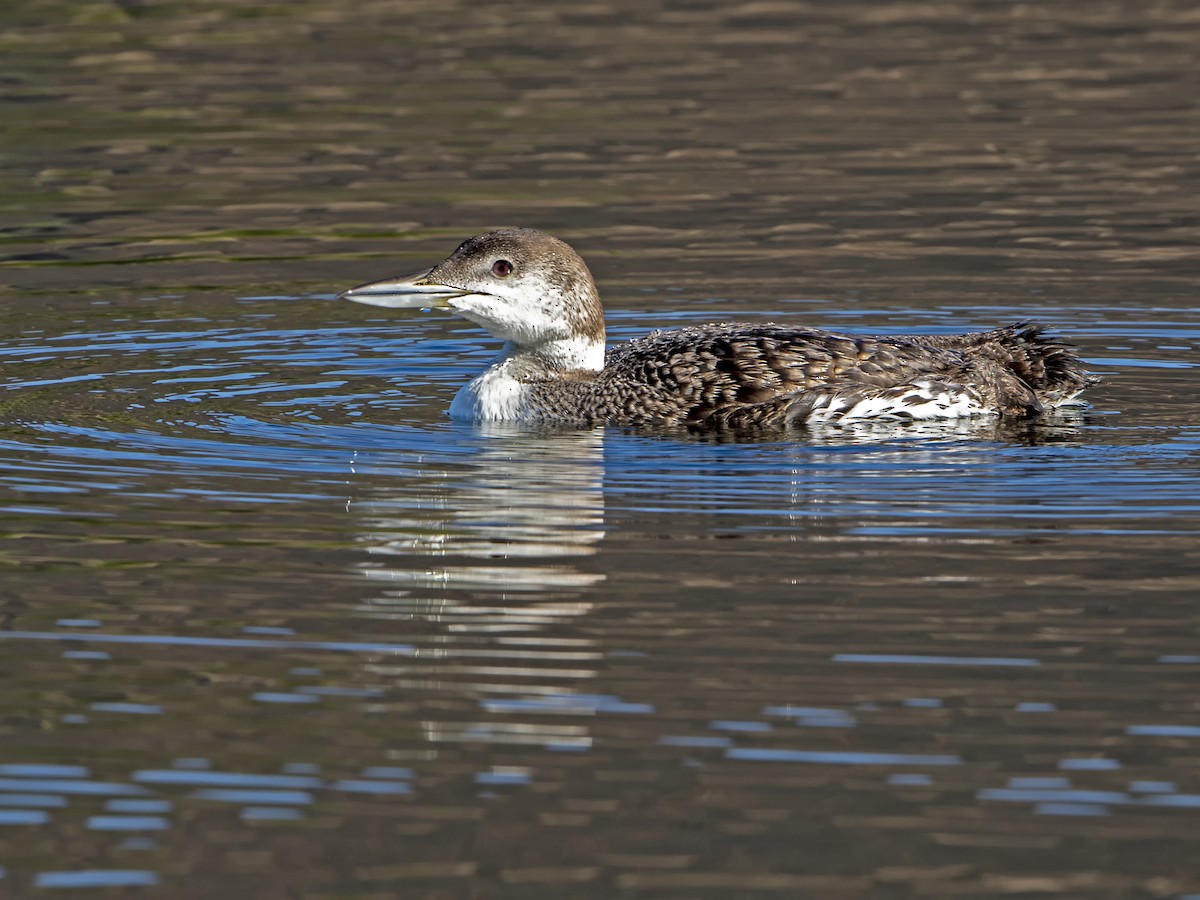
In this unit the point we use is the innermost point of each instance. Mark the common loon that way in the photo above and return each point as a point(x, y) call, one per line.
point(536, 294)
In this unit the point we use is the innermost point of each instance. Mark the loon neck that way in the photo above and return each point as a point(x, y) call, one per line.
point(501, 393)
point(549, 359)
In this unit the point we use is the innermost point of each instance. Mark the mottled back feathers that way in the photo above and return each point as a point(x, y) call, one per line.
point(743, 375)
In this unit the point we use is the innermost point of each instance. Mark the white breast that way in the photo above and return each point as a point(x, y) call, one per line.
point(495, 396)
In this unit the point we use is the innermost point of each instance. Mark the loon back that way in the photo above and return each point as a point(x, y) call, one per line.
point(746, 375)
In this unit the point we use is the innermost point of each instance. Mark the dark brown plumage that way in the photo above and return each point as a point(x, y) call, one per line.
point(742, 375)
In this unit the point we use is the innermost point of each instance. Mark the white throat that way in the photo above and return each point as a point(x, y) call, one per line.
point(499, 394)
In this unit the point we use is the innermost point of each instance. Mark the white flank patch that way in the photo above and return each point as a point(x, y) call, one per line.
point(919, 401)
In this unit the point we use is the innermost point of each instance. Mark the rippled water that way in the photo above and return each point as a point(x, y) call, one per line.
point(273, 626)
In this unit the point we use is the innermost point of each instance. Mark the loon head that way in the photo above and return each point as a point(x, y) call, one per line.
point(521, 285)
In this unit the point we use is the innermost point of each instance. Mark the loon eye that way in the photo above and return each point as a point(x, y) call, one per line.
point(502, 268)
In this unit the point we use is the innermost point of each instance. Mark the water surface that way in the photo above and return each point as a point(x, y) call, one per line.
point(273, 626)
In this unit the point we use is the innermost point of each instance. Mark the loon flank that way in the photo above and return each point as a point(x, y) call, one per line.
point(535, 293)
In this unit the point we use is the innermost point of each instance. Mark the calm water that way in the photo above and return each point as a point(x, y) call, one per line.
point(274, 627)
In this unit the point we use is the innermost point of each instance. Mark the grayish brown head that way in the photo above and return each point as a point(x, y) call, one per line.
point(520, 284)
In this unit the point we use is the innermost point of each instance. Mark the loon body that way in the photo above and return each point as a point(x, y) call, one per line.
point(535, 293)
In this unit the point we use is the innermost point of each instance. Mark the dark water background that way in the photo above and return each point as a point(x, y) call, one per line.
point(273, 627)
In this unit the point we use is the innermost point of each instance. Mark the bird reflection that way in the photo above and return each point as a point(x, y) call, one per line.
point(480, 558)
point(482, 561)
point(526, 497)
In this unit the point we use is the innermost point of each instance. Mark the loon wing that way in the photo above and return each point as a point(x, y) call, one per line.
point(754, 375)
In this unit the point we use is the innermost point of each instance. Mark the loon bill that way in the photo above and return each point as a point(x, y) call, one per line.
point(535, 293)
